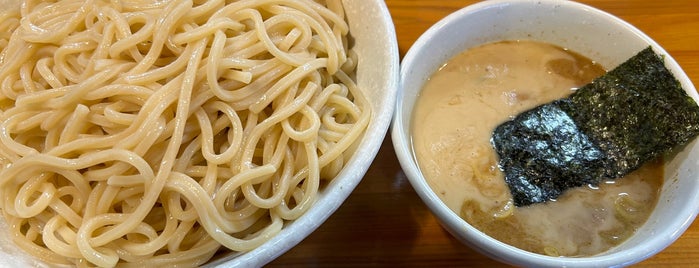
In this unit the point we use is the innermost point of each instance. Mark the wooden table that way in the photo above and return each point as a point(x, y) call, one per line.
point(384, 222)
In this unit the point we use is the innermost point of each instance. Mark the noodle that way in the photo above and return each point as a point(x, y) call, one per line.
point(138, 133)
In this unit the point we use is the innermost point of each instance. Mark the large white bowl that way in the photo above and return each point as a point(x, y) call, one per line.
point(583, 29)
point(374, 35)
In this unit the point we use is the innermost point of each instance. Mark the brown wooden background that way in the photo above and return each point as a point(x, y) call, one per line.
point(384, 223)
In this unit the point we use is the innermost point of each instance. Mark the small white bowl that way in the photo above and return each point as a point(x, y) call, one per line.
point(598, 35)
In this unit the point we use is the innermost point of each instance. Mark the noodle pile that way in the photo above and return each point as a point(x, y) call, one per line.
point(138, 133)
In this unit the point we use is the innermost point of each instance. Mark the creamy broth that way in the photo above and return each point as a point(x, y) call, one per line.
point(453, 120)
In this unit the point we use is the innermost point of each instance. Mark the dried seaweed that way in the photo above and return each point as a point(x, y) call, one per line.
point(604, 130)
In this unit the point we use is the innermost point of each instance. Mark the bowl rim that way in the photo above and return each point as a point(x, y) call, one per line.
point(474, 237)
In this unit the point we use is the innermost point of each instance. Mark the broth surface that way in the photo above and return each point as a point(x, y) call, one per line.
point(453, 121)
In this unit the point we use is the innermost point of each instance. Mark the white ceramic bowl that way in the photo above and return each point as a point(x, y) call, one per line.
point(374, 35)
point(583, 29)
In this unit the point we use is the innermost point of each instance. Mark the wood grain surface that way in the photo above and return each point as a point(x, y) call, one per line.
point(384, 223)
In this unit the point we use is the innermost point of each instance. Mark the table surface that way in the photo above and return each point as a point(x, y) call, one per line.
point(384, 222)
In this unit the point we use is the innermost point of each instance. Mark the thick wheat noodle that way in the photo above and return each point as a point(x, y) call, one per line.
point(137, 133)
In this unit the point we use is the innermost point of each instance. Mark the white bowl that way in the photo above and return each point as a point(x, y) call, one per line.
point(593, 33)
point(374, 35)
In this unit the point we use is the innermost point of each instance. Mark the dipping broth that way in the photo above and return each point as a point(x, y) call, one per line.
point(453, 120)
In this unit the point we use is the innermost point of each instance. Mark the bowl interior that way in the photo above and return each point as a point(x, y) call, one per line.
point(580, 28)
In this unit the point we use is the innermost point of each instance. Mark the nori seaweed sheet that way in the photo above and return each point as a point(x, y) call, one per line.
point(604, 130)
